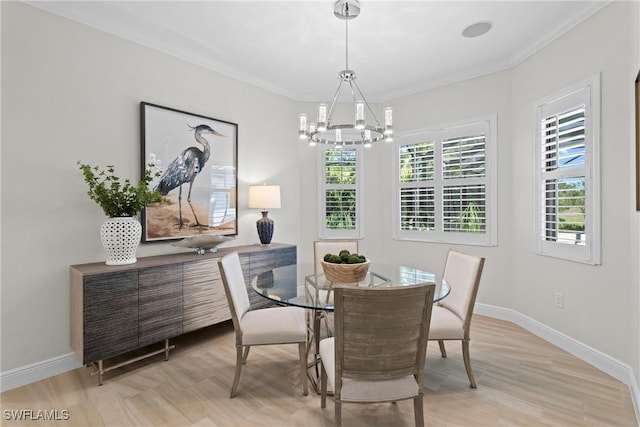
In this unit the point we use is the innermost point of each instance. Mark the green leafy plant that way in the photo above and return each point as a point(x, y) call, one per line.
point(118, 198)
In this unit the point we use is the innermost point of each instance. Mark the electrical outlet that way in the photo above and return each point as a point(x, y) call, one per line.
point(559, 299)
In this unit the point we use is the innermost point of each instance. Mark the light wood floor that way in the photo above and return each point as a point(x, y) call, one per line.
point(522, 381)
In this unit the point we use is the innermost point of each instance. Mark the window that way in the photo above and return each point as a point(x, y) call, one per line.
point(446, 184)
point(341, 191)
point(567, 178)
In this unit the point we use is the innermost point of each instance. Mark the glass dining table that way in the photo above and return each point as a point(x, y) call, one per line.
point(297, 285)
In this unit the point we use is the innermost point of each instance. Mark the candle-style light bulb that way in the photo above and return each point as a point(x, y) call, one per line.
point(302, 130)
point(322, 117)
point(360, 115)
point(388, 121)
point(366, 138)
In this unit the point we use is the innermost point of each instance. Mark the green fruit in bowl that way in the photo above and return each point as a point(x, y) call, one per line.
point(353, 259)
point(345, 257)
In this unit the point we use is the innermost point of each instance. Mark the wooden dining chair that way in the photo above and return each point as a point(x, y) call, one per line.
point(266, 326)
point(451, 318)
point(378, 351)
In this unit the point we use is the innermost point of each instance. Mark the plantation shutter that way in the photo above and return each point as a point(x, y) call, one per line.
point(341, 191)
point(567, 172)
point(417, 192)
point(464, 190)
point(444, 184)
point(563, 176)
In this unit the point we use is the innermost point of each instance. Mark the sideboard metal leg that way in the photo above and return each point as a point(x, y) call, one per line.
point(100, 372)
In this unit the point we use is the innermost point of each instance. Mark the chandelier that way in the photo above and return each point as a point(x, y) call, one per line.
point(361, 131)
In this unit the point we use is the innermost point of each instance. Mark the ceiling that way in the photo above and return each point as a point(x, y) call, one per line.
point(297, 48)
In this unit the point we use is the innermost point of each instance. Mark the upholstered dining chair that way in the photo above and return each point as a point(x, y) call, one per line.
point(320, 249)
point(266, 326)
point(451, 318)
point(378, 351)
point(323, 247)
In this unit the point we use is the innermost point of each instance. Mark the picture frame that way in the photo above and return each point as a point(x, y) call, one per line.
point(637, 115)
point(197, 157)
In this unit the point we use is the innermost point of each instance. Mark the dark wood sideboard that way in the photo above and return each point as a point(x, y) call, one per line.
point(118, 309)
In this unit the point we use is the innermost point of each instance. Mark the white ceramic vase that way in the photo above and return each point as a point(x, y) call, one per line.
point(120, 237)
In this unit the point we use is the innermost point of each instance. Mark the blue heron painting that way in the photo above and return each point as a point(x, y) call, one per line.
point(185, 168)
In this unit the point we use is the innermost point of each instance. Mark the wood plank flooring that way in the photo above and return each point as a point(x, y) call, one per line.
point(522, 381)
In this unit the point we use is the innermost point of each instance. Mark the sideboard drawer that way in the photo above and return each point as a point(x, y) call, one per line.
point(110, 315)
point(205, 302)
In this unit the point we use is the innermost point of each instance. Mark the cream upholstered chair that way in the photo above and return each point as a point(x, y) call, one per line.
point(277, 325)
point(451, 318)
point(320, 249)
point(323, 247)
point(379, 347)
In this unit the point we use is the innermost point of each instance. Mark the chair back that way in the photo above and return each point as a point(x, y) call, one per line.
point(381, 333)
point(234, 287)
point(462, 272)
point(323, 247)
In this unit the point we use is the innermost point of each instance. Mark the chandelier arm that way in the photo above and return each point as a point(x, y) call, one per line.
point(353, 92)
point(333, 103)
point(366, 103)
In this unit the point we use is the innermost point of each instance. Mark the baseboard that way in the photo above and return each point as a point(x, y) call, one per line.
point(17, 377)
point(613, 367)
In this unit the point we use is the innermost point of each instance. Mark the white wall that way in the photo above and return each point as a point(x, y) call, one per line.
point(598, 300)
point(466, 100)
point(71, 93)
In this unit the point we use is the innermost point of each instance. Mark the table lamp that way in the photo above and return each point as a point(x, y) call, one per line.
point(264, 197)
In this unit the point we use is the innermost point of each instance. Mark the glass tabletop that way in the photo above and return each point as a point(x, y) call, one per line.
point(293, 285)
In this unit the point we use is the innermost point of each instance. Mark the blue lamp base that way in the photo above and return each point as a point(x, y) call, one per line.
point(265, 229)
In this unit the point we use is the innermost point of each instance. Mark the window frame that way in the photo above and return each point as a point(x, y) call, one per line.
point(329, 233)
point(488, 126)
point(585, 92)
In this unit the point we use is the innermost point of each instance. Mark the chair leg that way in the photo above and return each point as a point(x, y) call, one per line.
point(327, 325)
point(418, 411)
point(246, 354)
point(467, 362)
point(338, 404)
point(302, 347)
point(323, 387)
point(443, 352)
point(316, 330)
point(236, 378)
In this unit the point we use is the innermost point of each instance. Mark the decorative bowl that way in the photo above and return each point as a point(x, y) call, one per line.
point(203, 242)
point(345, 273)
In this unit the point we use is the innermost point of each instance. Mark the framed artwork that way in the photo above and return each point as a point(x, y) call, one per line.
point(197, 158)
point(638, 142)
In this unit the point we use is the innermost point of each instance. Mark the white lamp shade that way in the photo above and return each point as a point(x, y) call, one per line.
point(264, 197)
